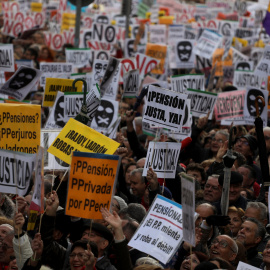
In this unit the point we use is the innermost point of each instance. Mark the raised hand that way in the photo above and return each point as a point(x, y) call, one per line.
point(52, 204)
point(152, 179)
point(89, 259)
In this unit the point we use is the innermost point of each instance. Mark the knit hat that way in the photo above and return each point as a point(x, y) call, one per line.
point(236, 178)
point(8, 226)
point(252, 142)
point(121, 202)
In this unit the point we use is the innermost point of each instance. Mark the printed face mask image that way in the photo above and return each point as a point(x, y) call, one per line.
point(22, 78)
point(104, 114)
point(184, 49)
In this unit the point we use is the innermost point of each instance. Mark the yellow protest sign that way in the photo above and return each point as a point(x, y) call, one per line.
point(53, 85)
point(159, 52)
point(244, 42)
point(217, 61)
point(36, 7)
point(166, 20)
point(68, 21)
point(76, 136)
point(91, 184)
point(20, 127)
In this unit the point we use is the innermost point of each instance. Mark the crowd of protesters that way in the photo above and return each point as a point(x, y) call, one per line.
point(63, 242)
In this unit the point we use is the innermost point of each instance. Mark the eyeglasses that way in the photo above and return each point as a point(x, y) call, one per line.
point(244, 142)
point(216, 140)
point(221, 243)
point(4, 246)
point(193, 260)
point(210, 186)
point(79, 255)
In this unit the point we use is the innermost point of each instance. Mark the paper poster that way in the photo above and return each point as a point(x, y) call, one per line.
point(98, 71)
point(242, 79)
point(20, 127)
point(21, 83)
point(263, 67)
point(91, 184)
point(230, 105)
point(201, 102)
point(245, 266)
point(7, 57)
point(184, 53)
point(145, 64)
point(16, 171)
point(158, 33)
point(160, 233)
point(180, 83)
point(159, 52)
point(76, 136)
point(188, 208)
point(104, 33)
point(162, 157)
point(112, 90)
point(165, 108)
point(131, 83)
point(54, 85)
point(250, 108)
point(105, 116)
point(78, 57)
point(207, 44)
point(244, 65)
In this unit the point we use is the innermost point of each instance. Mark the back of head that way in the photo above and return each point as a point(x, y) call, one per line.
point(136, 211)
point(147, 267)
point(147, 261)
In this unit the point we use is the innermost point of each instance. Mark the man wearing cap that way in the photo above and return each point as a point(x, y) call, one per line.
point(247, 145)
point(103, 237)
point(235, 198)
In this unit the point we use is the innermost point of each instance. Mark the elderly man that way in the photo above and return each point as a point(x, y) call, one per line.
point(212, 192)
point(252, 232)
point(6, 250)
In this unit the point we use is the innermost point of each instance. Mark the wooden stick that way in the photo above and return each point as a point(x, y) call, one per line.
point(90, 230)
point(166, 156)
point(190, 257)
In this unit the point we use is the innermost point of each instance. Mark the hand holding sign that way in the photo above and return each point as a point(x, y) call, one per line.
point(21, 204)
point(152, 179)
point(52, 204)
point(89, 259)
point(18, 223)
point(202, 121)
point(37, 247)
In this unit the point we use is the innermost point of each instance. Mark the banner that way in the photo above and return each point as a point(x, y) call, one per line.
point(165, 108)
point(21, 83)
point(159, 52)
point(180, 83)
point(20, 127)
point(131, 83)
point(91, 184)
point(16, 171)
point(160, 233)
point(7, 58)
point(162, 157)
point(207, 44)
point(250, 108)
point(54, 85)
point(201, 102)
point(78, 57)
point(75, 137)
point(242, 79)
point(230, 105)
point(188, 208)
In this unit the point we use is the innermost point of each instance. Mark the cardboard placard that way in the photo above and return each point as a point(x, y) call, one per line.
point(78, 57)
point(7, 58)
point(91, 184)
point(75, 137)
point(242, 79)
point(131, 83)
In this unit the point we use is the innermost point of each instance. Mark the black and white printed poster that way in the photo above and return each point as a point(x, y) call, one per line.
point(185, 57)
point(21, 83)
point(98, 71)
point(7, 58)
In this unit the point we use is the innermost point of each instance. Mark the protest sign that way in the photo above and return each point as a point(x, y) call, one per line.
point(111, 133)
point(109, 74)
point(7, 57)
point(175, 32)
point(78, 57)
point(127, 64)
point(207, 44)
point(37, 202)
point(201, 102)
point(219, 61)
point(250, 108)
point(237, 121)
point(263, 67)
point(242, 79)
point(180, 83)
point(245, 266)
point(159, 52)
point(145, 64)
point(230, 104)
point(104, 33)
point(160, 233)
point(105, 116)
point(54, 85)
point(184, 52)
point(20, 127)
point(91, 184)
point(188, 208)
point(165, 108)
point(148, 130)
point(111, 91)
point(74, 137)
point(158, 33)
point(162, 157)
point(16, 171)
point(98, 71)
point(131, 83)
point(21, 83)
point(244, 65)
point(181, 134)
point(129, 47)
point(72, 105)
